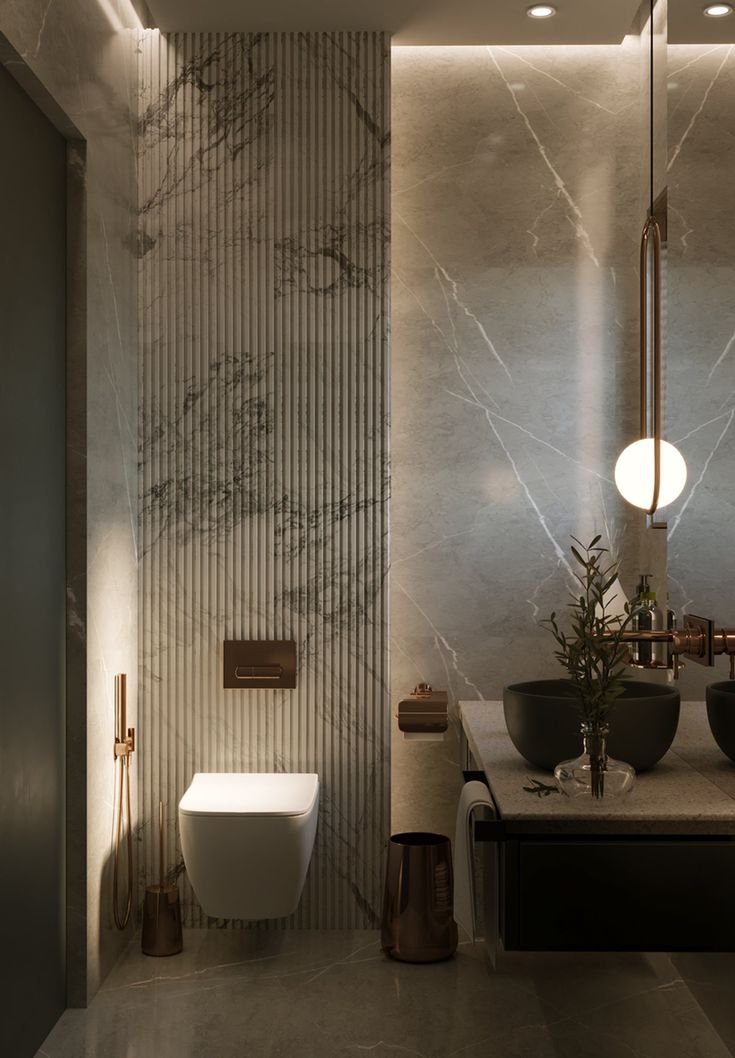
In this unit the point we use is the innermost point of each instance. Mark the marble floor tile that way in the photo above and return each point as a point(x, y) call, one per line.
point(332, 993)
point(711, 980)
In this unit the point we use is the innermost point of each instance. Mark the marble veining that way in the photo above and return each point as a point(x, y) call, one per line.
point(263, 255)
point(518, 195)
point(700, 366)
point(328, 994)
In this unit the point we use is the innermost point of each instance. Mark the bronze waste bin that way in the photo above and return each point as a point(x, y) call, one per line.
point(418, 921)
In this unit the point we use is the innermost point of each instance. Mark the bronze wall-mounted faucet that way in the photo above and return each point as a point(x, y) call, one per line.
point(697, 640)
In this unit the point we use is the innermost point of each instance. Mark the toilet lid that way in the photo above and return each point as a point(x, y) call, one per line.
point(249, 794)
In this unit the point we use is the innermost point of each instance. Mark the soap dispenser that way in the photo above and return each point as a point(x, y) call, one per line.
point(648, 619)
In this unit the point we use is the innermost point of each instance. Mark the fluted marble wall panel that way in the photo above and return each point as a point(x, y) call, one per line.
point(700, 365)
point(519, 192)
point(263, 247)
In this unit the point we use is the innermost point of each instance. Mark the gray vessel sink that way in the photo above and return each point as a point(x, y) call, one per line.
point(721, 715)
point(543, 718)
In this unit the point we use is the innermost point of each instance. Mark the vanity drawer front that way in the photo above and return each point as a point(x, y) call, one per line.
point(619, 894)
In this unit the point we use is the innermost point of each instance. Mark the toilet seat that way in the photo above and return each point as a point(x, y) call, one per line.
point(249, 794)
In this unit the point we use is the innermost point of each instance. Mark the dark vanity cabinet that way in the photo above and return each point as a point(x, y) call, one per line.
point(655, 872)
point(611, 893)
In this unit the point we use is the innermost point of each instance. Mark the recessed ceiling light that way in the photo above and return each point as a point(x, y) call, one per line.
point(718, 10)
point(543, 11)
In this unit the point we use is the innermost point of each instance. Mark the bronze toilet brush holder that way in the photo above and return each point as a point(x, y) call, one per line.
point(161, 934)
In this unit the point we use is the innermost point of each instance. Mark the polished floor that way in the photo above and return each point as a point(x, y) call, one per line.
point(328, 994)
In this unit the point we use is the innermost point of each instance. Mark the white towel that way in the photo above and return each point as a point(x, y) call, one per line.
point(474, 795)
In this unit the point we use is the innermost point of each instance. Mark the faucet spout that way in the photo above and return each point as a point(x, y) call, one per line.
point(697, 640)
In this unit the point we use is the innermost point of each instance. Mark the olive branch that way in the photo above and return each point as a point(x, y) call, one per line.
point(593, 652)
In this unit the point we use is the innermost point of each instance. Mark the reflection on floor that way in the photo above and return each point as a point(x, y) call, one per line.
point(318, 995)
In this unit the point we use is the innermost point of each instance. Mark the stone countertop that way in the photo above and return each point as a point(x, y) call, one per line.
point(690, 792)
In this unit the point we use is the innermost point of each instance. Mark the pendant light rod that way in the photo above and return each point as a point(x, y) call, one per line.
point(652, 231)
point(650, 470)
point(651, 241)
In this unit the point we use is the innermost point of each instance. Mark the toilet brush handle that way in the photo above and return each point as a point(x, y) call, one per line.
point(161, 842)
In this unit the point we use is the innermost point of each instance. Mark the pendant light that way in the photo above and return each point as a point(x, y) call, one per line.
point(650, 473)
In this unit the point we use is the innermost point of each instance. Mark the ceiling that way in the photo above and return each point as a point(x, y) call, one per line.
point(410, 21)
point(687, 24)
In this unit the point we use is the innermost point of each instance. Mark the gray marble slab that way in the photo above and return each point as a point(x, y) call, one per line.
point(332, 994)
point(700, 333)
point(519, 188)
point(690, 792)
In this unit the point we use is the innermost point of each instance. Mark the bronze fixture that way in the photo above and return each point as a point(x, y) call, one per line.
point(698, 640)
point(124, 747)
point(258, 672)
point(651, 233)
point(651, 386)
point(259, 663)
point(424, 711)
point(161, 934)
point(124, 739)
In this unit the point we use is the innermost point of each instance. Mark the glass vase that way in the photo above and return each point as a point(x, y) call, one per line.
point(594, 774)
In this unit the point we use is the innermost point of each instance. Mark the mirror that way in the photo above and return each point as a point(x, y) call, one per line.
point(699, 307)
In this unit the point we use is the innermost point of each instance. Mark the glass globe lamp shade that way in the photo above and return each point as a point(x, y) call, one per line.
point(634, 473)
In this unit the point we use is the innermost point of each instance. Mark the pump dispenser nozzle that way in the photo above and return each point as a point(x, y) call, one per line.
point(643, 591)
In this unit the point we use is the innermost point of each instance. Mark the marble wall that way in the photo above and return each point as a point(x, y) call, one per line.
point(700, 367)
point(77, 60)
point(519, 192)
point(263, 246)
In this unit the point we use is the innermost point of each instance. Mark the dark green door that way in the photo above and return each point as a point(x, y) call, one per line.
point(32, 571)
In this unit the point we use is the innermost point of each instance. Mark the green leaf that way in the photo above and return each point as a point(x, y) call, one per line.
point(591, 651)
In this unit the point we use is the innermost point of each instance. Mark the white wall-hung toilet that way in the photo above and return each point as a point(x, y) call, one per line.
point(247, 840)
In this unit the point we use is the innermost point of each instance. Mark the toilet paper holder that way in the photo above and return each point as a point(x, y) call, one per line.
point(424, 711)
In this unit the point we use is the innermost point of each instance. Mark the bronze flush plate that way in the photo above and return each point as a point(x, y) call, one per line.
point(259, 663)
